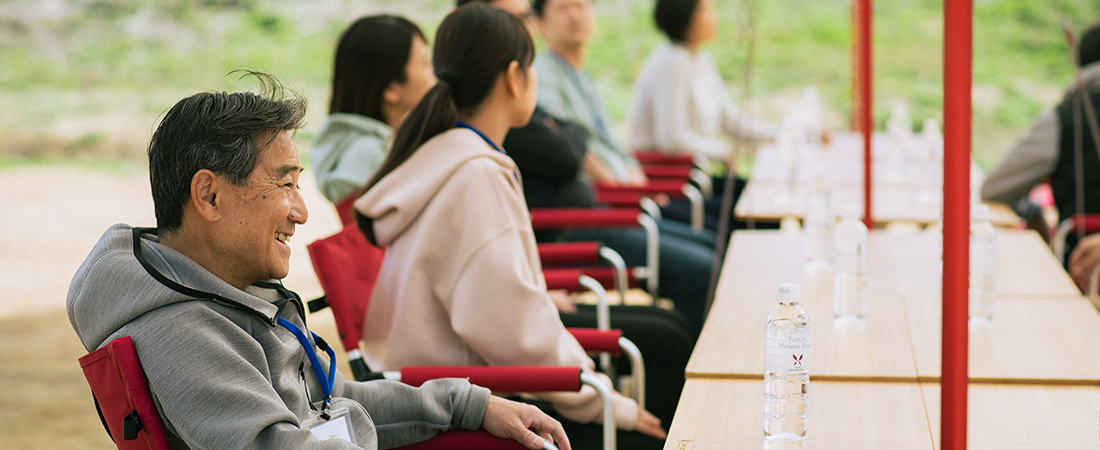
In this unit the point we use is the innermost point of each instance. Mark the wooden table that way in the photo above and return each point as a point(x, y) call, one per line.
point(1035, 369)
point(1028, 341)
point(731, 344)
point(901, 194)
point(1026, 268)
point(1023, 416)
point(1040, 333)
point(769, 202)
point(728, 414)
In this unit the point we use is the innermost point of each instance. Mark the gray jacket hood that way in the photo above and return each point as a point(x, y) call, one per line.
point(346, 151)
point(119, 282)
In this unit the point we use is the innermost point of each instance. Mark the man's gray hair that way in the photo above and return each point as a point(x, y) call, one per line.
point(216, 131)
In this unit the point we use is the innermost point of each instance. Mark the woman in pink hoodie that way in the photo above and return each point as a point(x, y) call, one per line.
point(461, 283)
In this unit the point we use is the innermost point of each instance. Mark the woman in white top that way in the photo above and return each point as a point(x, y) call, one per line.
point(680, 102)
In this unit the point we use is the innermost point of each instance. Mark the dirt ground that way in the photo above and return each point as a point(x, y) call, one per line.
point(55, 216)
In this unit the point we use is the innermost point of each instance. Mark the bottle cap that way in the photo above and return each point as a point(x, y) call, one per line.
point(788, 292)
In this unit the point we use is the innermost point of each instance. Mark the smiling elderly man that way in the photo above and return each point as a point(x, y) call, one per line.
point(215, 330)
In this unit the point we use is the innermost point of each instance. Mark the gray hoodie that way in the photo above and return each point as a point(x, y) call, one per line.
point(346, 152)
point(223, 373)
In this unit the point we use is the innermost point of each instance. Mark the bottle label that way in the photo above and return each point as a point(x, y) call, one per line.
point(790, 353)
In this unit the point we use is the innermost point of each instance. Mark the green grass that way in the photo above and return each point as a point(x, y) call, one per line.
point(99, 61)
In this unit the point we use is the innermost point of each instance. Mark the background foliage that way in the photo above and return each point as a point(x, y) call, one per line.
point(84, 80)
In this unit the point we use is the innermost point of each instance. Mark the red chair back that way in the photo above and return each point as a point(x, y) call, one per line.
point(656, 157)
point(347, 267)
point(346, 209)
point(122, 395)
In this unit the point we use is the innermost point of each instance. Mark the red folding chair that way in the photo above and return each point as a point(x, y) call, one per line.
point(556, 254)
point(594, 279)
point(674, 188)
point(562, 218)
point(692, 167)
point(347, 267)
point(121, 392)
point(346, 209)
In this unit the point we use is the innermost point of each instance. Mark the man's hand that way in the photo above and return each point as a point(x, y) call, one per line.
point(1084, 259)
point(524, 423)
point(649, 425)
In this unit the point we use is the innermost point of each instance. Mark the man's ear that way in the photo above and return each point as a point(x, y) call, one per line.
point(513, 80)
point(205, 189)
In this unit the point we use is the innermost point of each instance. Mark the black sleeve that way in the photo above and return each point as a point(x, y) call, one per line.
point(547, 149)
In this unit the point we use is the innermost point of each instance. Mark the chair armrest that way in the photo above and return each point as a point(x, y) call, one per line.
point(679, 171)
point(652, 156)
point(557, 218)
point(658, 186)
point(569, 253)
point(501, 378)
point(597, 341)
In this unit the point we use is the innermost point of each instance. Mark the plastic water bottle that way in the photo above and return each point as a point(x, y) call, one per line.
point(900, 133)
point(819, 221)
point(811, 102)
point(983, 265)
point(786, 368)
point(930, 163)
point(850, 265)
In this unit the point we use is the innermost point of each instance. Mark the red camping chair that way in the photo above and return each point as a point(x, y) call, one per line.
point(573, 279)
point(618, 195)
point(572, 254)
point(562, 218)
point(347, 267)
point(122, 397)
point(692, 167)
point(121, 392)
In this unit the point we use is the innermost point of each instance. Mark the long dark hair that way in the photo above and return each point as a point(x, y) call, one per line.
point(371, 54)
point(674, 17)
point(473, 47)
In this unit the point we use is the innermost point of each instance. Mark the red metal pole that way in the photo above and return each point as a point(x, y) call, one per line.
point(857, 103)
point(867, 112)
point(958, 47)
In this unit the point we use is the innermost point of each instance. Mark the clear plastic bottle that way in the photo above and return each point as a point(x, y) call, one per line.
point(900, 133)
point(983, 264)
point(930, 163)
point(786, 368)
point(819, 221)
point(850, 265)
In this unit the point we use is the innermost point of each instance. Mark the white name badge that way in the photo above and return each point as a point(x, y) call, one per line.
point(336, 427)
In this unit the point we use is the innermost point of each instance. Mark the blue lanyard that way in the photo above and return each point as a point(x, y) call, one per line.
point(326, 382)
point(467, 126)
